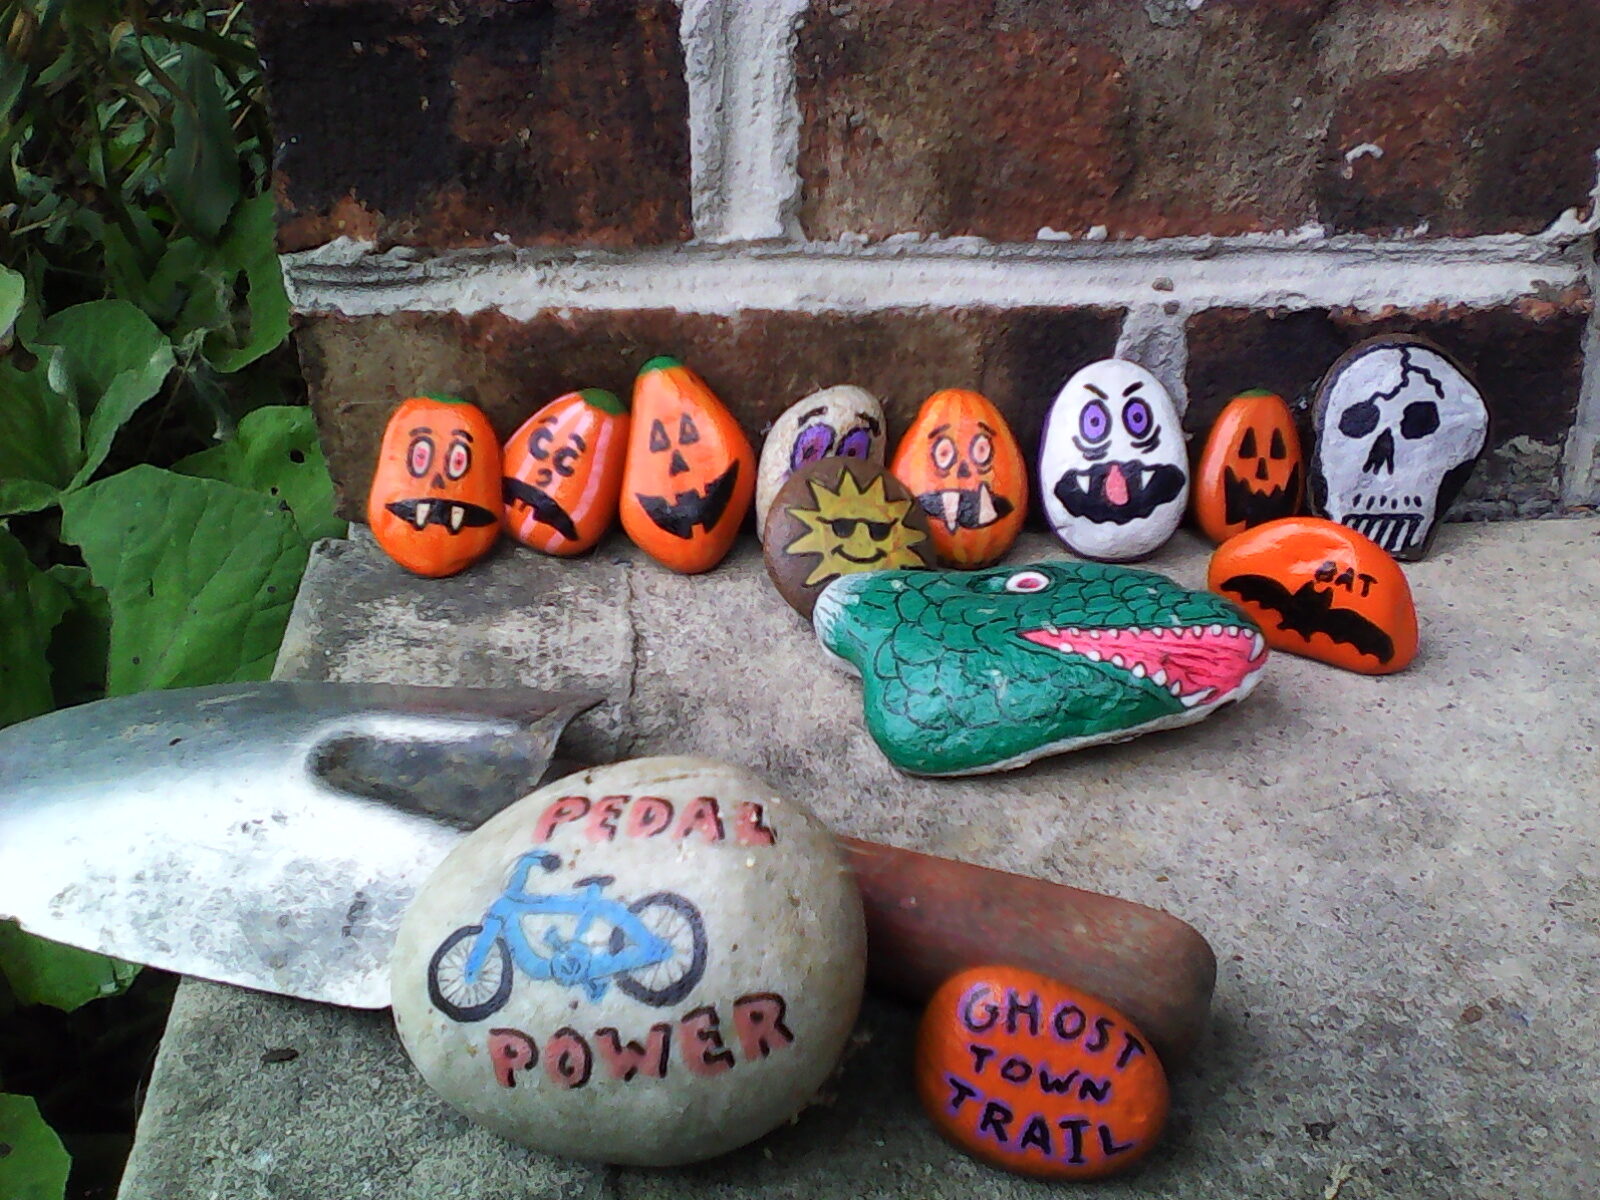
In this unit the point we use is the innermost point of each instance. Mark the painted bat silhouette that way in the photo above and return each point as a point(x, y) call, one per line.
point(1309, 609)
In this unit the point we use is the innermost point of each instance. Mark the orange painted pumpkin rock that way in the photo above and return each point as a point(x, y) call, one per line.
point(1031, 1075)
point(563, 472)
point(1251, 470)
point(1322, 590)
point(690, 471)
point(434, 504)
point(961, 462)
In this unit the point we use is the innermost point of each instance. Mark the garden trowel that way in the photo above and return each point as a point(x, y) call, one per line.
point(263, 834)
point(272, 835)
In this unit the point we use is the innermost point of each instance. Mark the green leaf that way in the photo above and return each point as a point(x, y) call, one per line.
point(251, 247)
point(41, 439)
point(12, 291)
point(200, 575)
point(31, 605)
point(202, 178)
point(276, 451)
point(81, 646)
point(112, 360)
point(64, 977)
point(35, 1165)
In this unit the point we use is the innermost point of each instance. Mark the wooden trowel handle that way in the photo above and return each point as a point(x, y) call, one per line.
point(928, 918)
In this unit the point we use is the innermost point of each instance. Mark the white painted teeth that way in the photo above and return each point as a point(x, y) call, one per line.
point(1158, 632)
point(1159, 678)
point(1215, 630)
point(420, 516)
point(457, 515)
point(1258, 645)
point(1138, 670)
point(1194, 698)
point(986, 513)
point(1176, 689)
point(1092, 655)
point(1051, 630)
point(950, 501)
point(1117, 661)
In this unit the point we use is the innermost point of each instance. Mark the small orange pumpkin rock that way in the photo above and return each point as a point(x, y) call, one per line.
point(690, 471)
point(563, 472)
point(1031, 1075)
point(434, 504)
point(1322, 590)
point(961, 462)
point(1251, 470)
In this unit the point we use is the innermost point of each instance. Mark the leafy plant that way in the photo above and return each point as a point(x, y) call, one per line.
point(160, 481)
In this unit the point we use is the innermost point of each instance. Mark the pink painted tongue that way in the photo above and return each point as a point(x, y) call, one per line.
point(1116, 485)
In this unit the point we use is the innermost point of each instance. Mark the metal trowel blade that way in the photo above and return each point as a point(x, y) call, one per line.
point(267, 834)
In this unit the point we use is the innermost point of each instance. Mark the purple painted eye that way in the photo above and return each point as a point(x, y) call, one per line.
point(1028, 581)
point(1136, 417)
point(855, 444)
point(813, 443)
point(1094, 422)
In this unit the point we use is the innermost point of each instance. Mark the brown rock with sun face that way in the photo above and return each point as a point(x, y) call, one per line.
point(839, 516)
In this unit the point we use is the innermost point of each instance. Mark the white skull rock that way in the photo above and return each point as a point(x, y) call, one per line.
point(648, 963)
point(1397, 428)
point(1113, 468)
point(846, 421)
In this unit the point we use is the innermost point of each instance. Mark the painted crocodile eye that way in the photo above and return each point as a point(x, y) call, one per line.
point(1028, 581)
point(1094, 422)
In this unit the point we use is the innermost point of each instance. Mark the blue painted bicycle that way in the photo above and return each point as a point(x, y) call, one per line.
point(654, 949)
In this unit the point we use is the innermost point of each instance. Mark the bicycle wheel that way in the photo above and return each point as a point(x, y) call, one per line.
point(453, 993)
point(677, 922)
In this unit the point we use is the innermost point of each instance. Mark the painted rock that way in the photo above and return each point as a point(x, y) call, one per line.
point(844, 421)
point(1251, 470)
point(434, 504)
point(962, 464)
point(647, 963)
point(841, 516)
point(690, 472)
point(1322, 590)
point(1112, 465)
point(1037, 1077)
point(969, 673)
point(1397, 429)
point(563, 472)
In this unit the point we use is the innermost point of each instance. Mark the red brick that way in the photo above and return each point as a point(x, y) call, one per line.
point(999, 117)
point(758, 362)
point(543, 121)
point(1527, 358)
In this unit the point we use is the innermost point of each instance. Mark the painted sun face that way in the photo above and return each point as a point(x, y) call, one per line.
point(838, 517)
point(1112, 464)
point(434, 504)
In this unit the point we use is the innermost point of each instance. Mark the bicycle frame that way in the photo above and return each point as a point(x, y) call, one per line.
point(571, 961)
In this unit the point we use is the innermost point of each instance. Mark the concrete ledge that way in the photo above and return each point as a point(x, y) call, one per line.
point(1398, 876)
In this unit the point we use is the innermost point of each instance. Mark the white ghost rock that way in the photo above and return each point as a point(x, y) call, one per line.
point(845, 421)
point(1113, 469)
point(1397, 428)
point(647, 963)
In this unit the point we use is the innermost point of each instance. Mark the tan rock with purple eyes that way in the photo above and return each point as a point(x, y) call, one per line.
point(846, 421)
point(1113, 469)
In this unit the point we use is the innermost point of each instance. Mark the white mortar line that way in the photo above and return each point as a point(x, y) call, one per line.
point(1195, 273)
point(744, 122)
point(1580, 478)
point(1157, 341)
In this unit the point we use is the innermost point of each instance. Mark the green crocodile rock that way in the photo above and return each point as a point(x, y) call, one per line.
point(965, 672)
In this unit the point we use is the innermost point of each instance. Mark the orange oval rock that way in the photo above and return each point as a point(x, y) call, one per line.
point(563, 472)
point(1322, 590)
point(690, 473)
point(1251, 470)
point(962, 463)
point(1031, 1075)
point(434, 505)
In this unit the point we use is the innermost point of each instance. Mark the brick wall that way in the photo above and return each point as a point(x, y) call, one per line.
point(511, 198)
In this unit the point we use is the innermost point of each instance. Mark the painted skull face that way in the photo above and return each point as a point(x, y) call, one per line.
point(1398, 429)
point(1112, 464)
point(842, 422)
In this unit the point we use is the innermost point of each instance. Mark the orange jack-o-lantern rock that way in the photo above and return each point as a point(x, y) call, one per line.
point(434, 504)
point(563, 472)
point(690, 473)
point(1251, 470)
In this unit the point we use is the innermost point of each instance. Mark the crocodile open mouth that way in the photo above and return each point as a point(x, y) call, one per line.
point(1197, 664)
